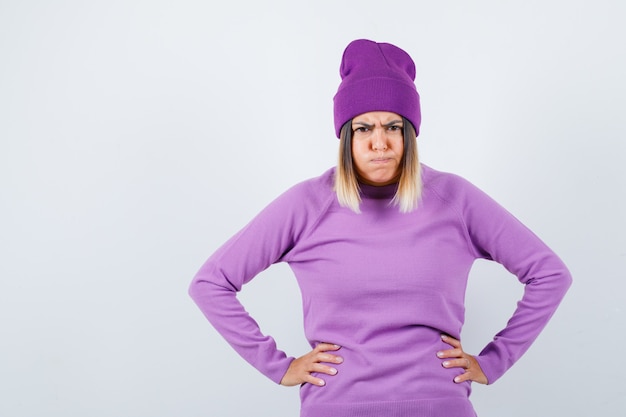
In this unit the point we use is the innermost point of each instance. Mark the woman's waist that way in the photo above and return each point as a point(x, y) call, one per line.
point(395, 368)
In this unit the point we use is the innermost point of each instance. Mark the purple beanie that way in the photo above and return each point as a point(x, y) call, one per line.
point(376, 77)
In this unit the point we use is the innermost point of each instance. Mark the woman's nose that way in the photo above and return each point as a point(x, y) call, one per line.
point(379, 140)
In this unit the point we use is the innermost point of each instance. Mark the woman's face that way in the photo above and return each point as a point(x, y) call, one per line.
point(377, 147)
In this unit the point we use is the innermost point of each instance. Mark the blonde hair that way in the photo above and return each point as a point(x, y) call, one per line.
point(409, 184)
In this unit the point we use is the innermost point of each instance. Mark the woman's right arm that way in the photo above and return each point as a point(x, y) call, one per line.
point(266, 240)
point(215, 286)
point(215, 295)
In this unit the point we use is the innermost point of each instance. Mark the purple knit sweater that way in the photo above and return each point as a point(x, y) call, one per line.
point(383, 285)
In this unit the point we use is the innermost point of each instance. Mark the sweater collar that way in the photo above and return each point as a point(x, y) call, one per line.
point(376, 192)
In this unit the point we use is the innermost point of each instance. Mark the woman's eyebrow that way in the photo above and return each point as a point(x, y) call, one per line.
point(393, 122)
point(363, 124)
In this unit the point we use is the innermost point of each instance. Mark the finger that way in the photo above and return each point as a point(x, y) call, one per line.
point(308, 378)
point(463, 363)
point(326, 357)
point(321, 356)
point(324, 369)
point(466, 376)
point(450, 353)
point(451, 341)
point(325, 347)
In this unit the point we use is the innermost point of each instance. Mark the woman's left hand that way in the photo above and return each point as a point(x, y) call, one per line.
point(457, 358)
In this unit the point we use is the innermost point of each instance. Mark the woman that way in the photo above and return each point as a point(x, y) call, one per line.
point(381, 247)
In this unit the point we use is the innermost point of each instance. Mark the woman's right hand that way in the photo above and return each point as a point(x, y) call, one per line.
point(299, 371)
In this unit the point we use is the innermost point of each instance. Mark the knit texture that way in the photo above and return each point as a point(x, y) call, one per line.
point(383, 285)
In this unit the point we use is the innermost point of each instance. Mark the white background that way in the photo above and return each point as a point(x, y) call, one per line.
point(137, 136)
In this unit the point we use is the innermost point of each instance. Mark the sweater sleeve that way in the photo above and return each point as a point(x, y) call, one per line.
point(266, 240)
point(497, 235)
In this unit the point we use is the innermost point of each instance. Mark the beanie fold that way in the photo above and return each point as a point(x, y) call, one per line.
point(376, 94)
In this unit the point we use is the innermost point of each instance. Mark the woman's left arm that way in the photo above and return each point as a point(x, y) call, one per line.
point(495, 234)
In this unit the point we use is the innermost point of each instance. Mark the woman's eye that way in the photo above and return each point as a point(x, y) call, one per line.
point(394, 128)
point(361, 129)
